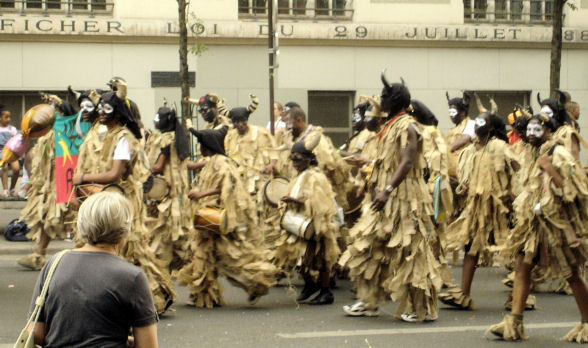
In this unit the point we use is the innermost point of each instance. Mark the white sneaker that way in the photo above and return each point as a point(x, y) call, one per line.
point(413, 318)
point(358, 309)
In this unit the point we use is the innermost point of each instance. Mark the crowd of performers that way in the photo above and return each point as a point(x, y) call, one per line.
point(387, 209)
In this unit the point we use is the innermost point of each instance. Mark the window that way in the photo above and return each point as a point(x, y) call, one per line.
point(56, 6)
point(506, 101)
point(332, 111)
point(6, 3)
point(19, 102)
point(298, 9)
point(513, 11)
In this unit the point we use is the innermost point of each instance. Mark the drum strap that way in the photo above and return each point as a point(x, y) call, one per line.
point(295, 193)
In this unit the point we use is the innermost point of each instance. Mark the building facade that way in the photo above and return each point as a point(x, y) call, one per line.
point(330, 51)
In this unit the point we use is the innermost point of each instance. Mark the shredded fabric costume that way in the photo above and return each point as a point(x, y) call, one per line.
point(484, 177)
point(452, 135)
point(358, 142)
point(41, 210)
point(169, 221)
point(557, 236)
point(435, 153)
point(321, 251)
point(391, 253)
point(136, 250)
point(232, 254)
point(330, 162)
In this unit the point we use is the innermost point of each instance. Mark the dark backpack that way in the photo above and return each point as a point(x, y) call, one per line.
point(16, 231)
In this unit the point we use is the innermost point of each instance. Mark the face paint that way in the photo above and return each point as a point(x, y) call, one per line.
point(356, 118)
point(547, 111)
point(535, 130)
point(87, 106)
point(480, 122)
point(106, 112)
point(453, 112)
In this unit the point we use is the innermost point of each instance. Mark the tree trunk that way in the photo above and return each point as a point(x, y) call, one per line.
point(184, 77)
point(556, 43)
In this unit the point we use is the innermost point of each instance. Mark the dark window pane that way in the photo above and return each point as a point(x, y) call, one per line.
point(7, 3)
point(99, 5)
point(53, 4)
point(80, 4)
point(34, 3)
point(243, 6)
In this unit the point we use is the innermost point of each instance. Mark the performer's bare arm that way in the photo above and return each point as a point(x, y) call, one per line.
point(196, 195)
point(406, 163)
point(288, 199)
point(195, 166)
point(545, 163)
point(110, 177)
point(462, 141)
point(575, 150)
point(159, 165)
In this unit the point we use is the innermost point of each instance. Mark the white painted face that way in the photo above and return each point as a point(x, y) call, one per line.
point(480, 122)
point(87, 106)
point(105, 108)
point(547, 111)
point(156, 119)
point(453, 112)
point(534, 129)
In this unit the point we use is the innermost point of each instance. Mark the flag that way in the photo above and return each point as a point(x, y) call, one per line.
point(70, 132)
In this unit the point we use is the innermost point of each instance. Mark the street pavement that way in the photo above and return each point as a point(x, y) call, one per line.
point(277, 321)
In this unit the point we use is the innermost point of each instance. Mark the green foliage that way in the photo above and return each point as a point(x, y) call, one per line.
point(198, 48)
point(572, 5)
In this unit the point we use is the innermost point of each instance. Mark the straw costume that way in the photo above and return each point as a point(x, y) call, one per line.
point(136, 249)
point(231, 252)
point(551, 228)
point(168, 221)
point(391, 254)
point(315, 255)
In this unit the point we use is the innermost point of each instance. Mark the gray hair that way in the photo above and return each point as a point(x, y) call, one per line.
point(104, 217)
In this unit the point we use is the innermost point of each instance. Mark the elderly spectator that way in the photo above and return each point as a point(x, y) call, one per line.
point(95, 298)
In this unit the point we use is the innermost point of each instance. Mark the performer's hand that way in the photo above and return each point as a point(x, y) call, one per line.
point(73, 204)
point(130, 341)
point(194, 195)
point(544, 161)
point(360, 160)
point(77, 179)
point(359, 192)
point(380, 200)
point(269, 169)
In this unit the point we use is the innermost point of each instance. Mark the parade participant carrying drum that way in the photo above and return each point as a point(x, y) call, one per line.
point(118, 162)
point(308, 229)
point(166, 190)
point(228, 250)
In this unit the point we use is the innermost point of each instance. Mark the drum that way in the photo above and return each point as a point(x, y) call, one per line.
point(297, 224)
point(86, 190)
point(275, 189)
point(155, 188)
point(38, 120)
point(211, 219)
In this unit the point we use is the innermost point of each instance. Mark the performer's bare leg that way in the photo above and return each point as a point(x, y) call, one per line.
point(15, 172)
point(580, 289)
point(521, 285)
point(467, 272)
point(43, 243)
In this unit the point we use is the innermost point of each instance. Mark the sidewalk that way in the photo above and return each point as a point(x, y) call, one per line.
point(10, 210)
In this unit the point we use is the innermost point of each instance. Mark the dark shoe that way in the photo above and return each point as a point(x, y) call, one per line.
point(309, 289)
point(324, 297)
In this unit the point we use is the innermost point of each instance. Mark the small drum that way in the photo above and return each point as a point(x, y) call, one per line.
point(155, 189)
point(275, 189)
point(211, 219)
point(86, 190)
point(297, 224)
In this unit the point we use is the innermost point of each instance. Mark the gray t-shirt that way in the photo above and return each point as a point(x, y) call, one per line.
point(93, 300)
